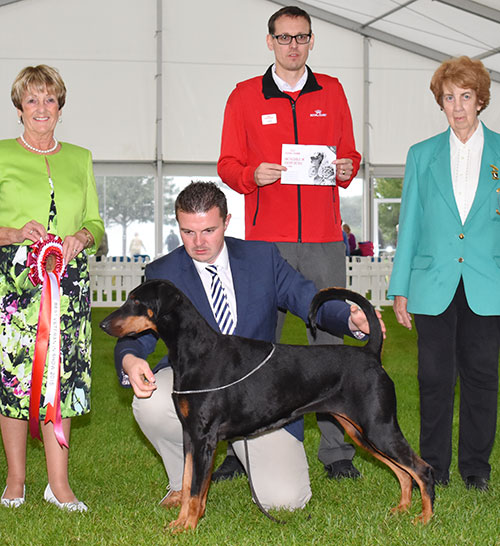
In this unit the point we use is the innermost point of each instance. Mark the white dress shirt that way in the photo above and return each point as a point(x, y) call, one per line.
point(285, 87)
point(224, 271)
point(465, 166)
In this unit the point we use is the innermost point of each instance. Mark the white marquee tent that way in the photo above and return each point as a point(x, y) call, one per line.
point(148, 80)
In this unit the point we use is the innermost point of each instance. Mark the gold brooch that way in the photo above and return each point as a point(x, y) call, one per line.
point(494, 172)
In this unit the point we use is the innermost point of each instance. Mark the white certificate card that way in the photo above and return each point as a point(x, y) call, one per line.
point(308, 164)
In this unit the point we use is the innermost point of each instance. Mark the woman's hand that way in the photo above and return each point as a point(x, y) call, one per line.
point(74, 244)
point(402, 315)
point(31, 231)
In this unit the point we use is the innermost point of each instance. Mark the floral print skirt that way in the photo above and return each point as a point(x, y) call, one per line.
point(19, 308)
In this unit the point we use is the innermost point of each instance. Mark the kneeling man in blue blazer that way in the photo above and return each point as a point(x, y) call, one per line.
point(257, 282)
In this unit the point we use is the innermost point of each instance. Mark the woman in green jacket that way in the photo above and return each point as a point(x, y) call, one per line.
point(47, 189)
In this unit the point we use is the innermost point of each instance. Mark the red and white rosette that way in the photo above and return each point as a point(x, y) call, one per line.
point(46, 264)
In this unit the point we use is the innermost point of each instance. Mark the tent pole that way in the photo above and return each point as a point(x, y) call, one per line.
point(158, 193)
point(366, 220)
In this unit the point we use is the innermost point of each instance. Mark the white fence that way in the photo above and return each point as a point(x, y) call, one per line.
point(370, 277)
point(111, 281)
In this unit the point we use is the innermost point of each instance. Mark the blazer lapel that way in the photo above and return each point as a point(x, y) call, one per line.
point(486, 183)
point(241, 281)
point(440, 168)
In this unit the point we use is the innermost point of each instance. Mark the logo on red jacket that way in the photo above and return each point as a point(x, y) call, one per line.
point(318, 114)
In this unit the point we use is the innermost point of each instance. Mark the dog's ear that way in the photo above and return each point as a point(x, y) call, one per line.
point(169, 298)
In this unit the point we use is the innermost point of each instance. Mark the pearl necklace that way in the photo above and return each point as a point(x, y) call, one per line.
point(40, 151)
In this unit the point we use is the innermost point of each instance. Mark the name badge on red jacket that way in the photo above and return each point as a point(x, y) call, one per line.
point(269, 119)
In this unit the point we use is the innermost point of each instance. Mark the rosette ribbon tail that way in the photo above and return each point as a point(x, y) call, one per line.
point(53, 392)
point(48, 337)
point(41, 345)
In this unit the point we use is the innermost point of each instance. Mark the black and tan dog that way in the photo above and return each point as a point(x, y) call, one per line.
point(280, 383)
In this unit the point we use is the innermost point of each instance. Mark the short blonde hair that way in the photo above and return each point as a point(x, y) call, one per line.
point(466, 73)
point(38, 77)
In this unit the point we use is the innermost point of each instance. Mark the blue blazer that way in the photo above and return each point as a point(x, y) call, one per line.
point(263, 283)
point(434, 248)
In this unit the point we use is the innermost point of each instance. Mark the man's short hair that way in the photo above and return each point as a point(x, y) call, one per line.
point(200, 197)
point(289, 11)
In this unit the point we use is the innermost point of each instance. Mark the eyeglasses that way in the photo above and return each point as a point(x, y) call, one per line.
point(286, 39)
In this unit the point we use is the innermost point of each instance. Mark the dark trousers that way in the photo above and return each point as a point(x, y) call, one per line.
point(324, 264)
point(458, 344)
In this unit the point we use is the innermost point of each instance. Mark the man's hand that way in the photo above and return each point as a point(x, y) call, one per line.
point(402, 315)
point(344, 168)
point(140, 375)
point(267, 173)
point(358, 321)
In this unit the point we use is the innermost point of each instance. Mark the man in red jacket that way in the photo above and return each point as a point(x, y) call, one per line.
point(291, 105)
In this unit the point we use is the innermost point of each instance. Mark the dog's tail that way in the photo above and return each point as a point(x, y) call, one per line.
point(374, 343)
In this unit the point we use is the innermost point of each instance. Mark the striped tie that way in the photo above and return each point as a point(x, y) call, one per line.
point(220, 306)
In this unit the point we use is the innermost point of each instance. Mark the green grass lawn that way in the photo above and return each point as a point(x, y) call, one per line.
point(119, 476)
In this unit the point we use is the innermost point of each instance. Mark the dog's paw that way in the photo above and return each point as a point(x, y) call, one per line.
point(400, 508)
point(422, 519)
point(182, 524)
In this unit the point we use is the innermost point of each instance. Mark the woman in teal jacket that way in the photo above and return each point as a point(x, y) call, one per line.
point(447, 273)
point(46, 187)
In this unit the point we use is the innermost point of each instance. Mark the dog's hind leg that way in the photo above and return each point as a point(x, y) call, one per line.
point(406, 465)
point(402, 476)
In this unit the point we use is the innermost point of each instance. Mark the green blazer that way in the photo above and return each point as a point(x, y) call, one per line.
point(434, 248)
point(25, 189)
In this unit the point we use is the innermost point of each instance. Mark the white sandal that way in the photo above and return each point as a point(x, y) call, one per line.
point(75, 506)
point(12, 503)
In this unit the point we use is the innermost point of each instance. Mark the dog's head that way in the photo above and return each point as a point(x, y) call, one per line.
point(145, 305)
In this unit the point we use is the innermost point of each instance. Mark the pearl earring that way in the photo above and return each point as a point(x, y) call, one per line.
point(59, 120)
point(19, 120)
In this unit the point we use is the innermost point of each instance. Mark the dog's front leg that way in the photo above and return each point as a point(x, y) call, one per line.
point(198, 463)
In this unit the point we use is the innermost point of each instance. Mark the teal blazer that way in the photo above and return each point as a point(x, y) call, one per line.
point(434, 248)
